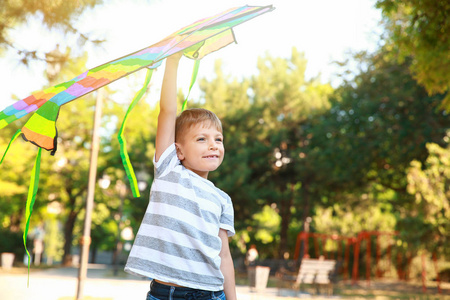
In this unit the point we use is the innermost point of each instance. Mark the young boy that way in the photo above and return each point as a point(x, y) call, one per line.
point(182, 243)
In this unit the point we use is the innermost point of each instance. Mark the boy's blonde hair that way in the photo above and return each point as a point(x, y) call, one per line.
point(194, 116)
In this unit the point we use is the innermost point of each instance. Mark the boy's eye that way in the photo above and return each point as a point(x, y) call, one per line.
point(201, 139)
point(219, 140)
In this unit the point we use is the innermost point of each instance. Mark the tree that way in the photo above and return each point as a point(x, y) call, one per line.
point(429, 183)
point(419, 29)
point(64, 177)
point(305, 150)
point(228, 98)
point(262, 121)
point(55, 14)
point(68, 182)
point(288, 102)
point(379, 123)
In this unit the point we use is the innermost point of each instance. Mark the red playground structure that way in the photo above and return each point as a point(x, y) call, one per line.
point(383, 243)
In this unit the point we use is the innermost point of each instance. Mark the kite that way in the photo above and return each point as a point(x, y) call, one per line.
point(195, 41)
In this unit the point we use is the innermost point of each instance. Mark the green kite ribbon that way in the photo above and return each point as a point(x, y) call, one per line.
point(32, 191)
point(123, 144)
point(193, 78)
point(31, 198)
point(18, 132)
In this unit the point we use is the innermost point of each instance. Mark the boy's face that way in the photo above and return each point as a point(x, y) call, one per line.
point(201, 149)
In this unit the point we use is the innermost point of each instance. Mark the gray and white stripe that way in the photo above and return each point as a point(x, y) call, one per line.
point(178, 239)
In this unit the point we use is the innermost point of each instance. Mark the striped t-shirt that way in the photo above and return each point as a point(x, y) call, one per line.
point(178, 241)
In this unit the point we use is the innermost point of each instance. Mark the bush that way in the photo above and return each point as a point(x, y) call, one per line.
point(12, 242)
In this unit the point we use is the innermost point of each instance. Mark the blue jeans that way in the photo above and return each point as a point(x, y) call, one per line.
point(160, 291)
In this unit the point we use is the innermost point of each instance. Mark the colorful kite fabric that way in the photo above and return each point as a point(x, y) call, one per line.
point(195, 41)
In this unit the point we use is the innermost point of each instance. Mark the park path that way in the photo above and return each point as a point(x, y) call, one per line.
point(61, 284)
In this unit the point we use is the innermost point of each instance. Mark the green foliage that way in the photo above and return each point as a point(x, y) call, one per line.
point(379, 122)
point(429, 183)
point(263, 230)
point(266, 224)
point(351, 220)
point(290, 147)
point(294, 149)
point(419, 29)
point(11, 242)
point(61, 14)
point(53, 239)
point(14, 178)
point(263, 120)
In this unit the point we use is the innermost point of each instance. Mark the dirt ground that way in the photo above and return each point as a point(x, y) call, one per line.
point(376, 289)
point(393, 289)
point(42, 278)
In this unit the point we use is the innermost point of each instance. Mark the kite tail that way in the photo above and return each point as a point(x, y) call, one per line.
point(18, 132)
point(123, 144)
point(32, 191)
point(193, 78)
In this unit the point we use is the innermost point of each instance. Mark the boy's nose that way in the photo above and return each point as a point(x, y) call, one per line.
point(212, 147)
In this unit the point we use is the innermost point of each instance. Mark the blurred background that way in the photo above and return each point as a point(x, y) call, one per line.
point(336, 123)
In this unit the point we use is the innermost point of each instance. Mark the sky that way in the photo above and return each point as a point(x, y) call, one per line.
point(325, 30)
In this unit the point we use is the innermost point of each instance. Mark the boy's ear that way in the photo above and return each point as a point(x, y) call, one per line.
point(179, 152)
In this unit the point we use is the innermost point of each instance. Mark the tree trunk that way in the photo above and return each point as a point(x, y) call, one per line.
point(306, 206)
point(68, 236)
point(306, 202)
point(286, 214)
point(16, 220)
point(93, 253)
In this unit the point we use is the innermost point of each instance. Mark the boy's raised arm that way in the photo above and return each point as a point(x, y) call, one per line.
point(165, 133)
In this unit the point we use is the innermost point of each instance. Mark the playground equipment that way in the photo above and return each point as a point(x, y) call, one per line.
point(367, 238)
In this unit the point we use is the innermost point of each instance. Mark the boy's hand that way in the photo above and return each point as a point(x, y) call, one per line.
point(175, 58)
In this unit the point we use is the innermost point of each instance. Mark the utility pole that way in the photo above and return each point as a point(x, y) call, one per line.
point(86, 238)
point(122, 189)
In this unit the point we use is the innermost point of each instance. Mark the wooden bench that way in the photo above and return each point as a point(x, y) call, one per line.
point(316, 272)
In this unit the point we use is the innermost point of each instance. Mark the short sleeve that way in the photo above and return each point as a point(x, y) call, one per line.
point(167, 161)
point(227, 217)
